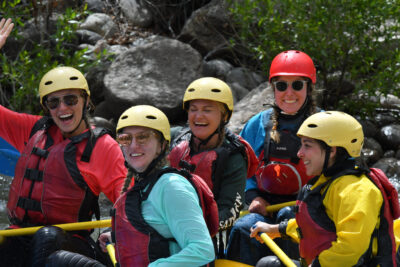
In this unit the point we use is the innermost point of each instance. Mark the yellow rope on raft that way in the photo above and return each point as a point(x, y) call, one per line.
point(66, 226)
point(272, 208)
point(277, 250)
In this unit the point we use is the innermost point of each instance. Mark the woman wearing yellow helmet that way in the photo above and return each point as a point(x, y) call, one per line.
point(162, 202)
point(159, 212)
point(345, 217)
point(207, 148)
point(62, 168)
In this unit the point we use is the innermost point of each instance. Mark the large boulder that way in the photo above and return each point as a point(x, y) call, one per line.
point(254, 102)
point(155, 73)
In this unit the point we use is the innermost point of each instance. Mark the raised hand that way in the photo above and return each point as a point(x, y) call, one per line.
point(5, 29)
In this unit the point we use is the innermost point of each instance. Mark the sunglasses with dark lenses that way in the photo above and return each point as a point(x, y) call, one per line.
point(297, 85)
point(141, 138)
point(69, 100)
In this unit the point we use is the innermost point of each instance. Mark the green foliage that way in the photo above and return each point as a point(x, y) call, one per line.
point(20, 76)
point(354, 40)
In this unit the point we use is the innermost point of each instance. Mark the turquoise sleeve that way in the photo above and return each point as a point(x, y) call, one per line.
point(174, 211)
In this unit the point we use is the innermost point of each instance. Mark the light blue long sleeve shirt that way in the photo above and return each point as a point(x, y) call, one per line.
point(173, 209)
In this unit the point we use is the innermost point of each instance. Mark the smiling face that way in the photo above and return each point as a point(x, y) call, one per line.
point(290, 101)
point(204, 117)
point(145, 147)
point(313, 156)
point(68, 117)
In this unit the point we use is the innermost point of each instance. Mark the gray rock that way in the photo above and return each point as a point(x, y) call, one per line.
point(136, 13)
point(96, 6)
point(206, 27)
point(390, 166)
point(389, 136)
point(156, 73)
point(217, 68)
point(369, 128)
point(372, 151)
point(254, 102)
point(100, 23)
point(88, 37)
point(245, 77)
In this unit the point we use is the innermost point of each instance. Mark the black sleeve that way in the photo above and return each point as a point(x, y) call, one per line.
point(231, 190)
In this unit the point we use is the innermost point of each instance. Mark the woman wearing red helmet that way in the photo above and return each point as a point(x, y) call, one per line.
point(272, 134)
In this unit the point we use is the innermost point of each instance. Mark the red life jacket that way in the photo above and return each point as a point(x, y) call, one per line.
point(129, 226)
point(317, 231)
point(209, 164)
point(48, 187)
point(281, 172)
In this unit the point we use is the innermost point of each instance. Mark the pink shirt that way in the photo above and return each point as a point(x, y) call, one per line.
point(105, 172)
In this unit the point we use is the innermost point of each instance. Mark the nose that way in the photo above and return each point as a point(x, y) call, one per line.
point(289, 90)
point(62, 105)
point(134, 144)
point(300, 153)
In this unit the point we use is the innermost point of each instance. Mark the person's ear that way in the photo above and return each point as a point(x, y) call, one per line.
point(333, 152)
point(226, 117)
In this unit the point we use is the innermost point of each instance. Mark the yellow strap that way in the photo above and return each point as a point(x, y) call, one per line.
point(272, 208)
point(66, 226)
point(229, 263)
point(277, 250)
point(111, 253)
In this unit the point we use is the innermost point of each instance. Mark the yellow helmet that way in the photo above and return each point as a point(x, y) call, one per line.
point(61, 78)
point(335, 128)
point(209, 88)
point(146, 116)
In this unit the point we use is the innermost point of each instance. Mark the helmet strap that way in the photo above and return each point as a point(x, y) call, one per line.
point(204, 142)
point(326, 160)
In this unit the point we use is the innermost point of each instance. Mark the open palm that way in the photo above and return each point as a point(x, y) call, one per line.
point(5, 29)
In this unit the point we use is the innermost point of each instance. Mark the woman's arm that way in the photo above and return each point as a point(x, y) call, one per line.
point(106, 171)
point(16, 127)
point(230, 197)
point(176, 202)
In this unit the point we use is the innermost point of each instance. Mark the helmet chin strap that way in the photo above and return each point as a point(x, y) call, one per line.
point(326, 160)
point(204, 142)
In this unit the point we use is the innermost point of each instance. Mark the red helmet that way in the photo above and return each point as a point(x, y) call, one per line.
point(293, 63)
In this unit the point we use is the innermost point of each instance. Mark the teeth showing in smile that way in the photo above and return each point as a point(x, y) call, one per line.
point(136, 154)
point(200, 123)
point(290, 101)
point(65, 117)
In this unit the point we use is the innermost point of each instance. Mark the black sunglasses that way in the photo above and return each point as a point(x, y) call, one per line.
point(297, 85)
point(69, 100)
